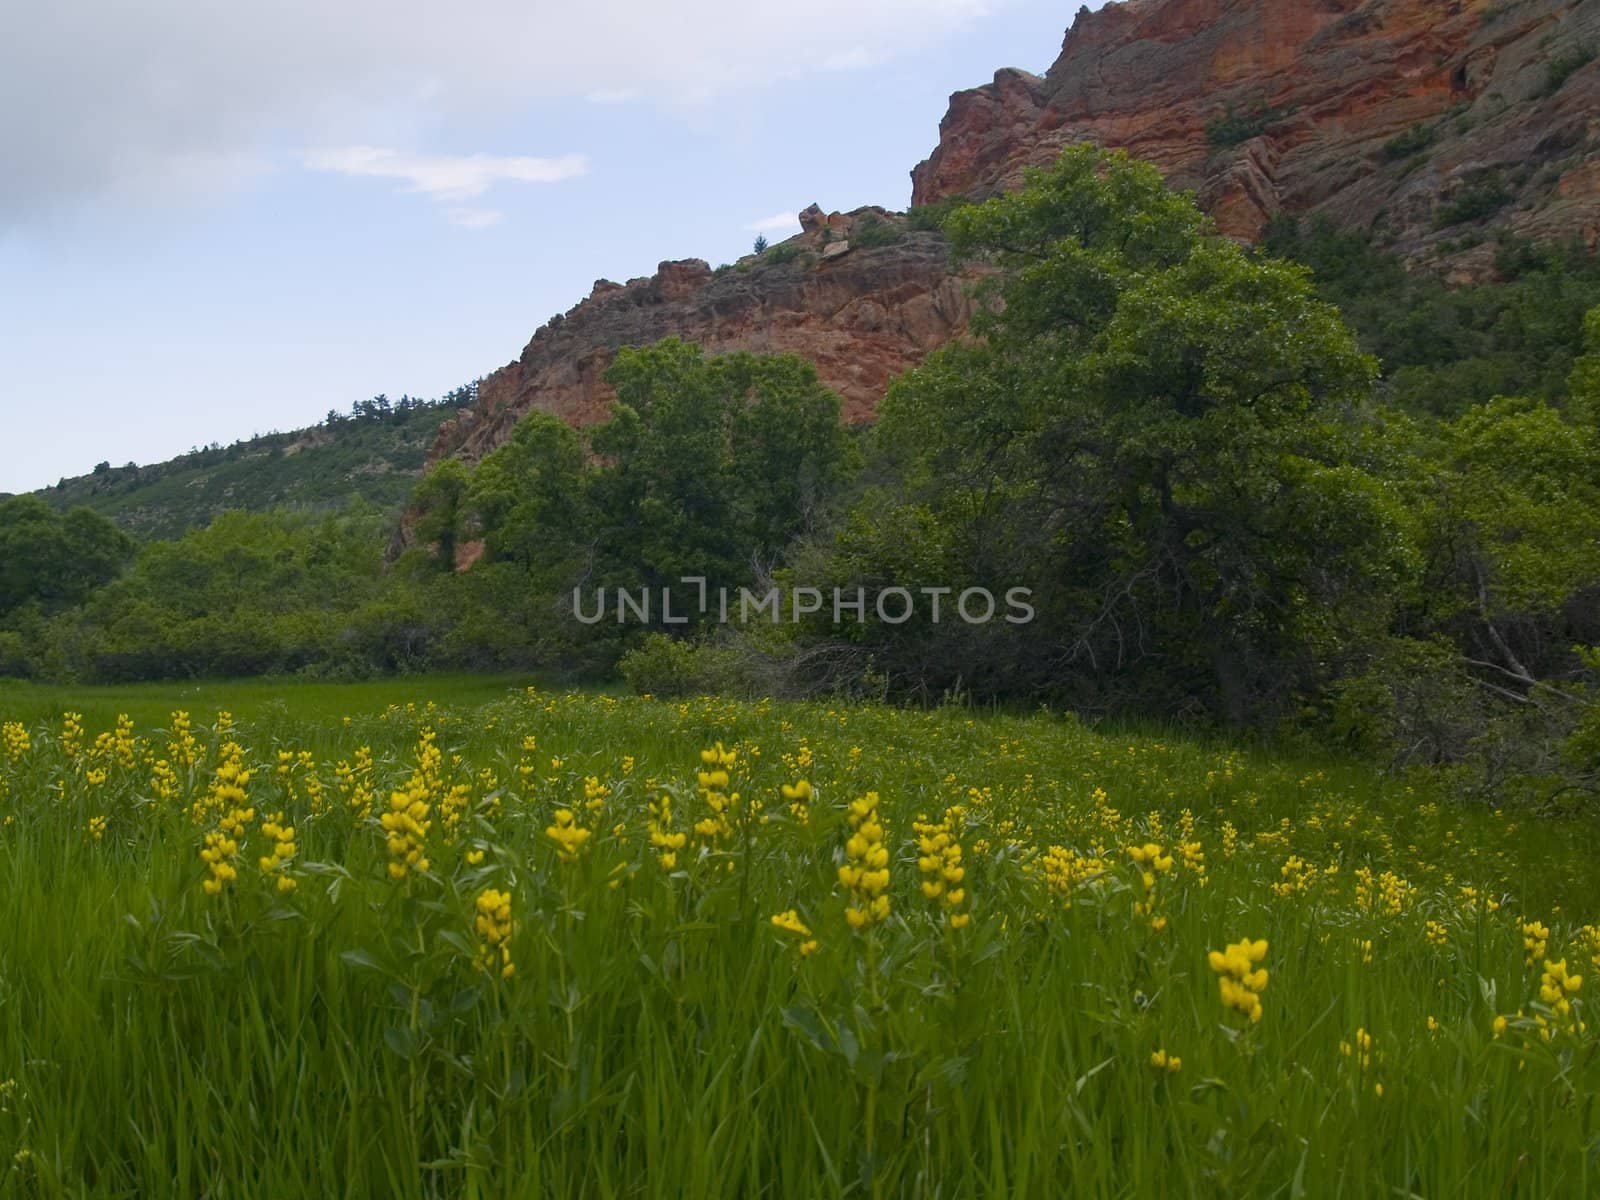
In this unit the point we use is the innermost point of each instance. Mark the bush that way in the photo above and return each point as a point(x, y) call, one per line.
point(872, 231)
point(667, 666)
point(930, 218)
point(1474, 204)
point(15, 661)
point(1565, 67)
point(1412, 703)
point(783, 252)
point(1413, 141)
point(1234, 128)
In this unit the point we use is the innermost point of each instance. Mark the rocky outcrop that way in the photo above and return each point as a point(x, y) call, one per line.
point(858, 294)
point(1423, 120)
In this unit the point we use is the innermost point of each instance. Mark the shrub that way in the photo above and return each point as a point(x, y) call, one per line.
point(1474, 204)
point(783, 252)
point(871, 231)
point(1413, 141)
point(1566, 66)
point(1233, 128)
point(667, 666)
point(930, 218)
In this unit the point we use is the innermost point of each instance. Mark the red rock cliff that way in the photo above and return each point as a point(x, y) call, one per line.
point(1379, 114)
point(860, 310)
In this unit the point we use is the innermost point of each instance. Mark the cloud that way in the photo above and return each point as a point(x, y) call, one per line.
point(473, 218)
point(138, 100)
point(448, 179)
point(777, 223)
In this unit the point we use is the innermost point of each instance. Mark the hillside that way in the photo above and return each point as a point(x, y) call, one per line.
point(372, 456)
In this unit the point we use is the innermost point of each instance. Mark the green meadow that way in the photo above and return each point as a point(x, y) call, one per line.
point(461, 937)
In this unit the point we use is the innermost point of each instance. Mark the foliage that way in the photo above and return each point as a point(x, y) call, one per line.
point(1566, 65)
point(1445, 349)
point(668, 666)
point(930, 218)
point(677, 1002)
point(710, 464)
point(1235, 127)
point(52, 561)
point(528, 500)
point(784, 252)
point(1414, 140)
point(1152, 436)
point(436, 509)
point(251, 594)
point(872, 231)
point(1474, 204)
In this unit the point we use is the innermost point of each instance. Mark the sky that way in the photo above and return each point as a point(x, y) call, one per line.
point(222, 220)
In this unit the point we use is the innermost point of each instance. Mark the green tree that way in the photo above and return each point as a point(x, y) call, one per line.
point(528, 500)
point(1513, 545)
point(709, 464)
point(1154, 433)
point(54, 560)
point(436, 507)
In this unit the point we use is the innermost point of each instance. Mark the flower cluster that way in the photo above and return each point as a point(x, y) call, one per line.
point(281, 850)
point(1240, 978)
point(714, 784)
point(939, 861)
point(595, 794)
point(1194, 860)
point(1298, 876)
point(1534, 938)
point(1556, 989)
point(1169, 1064)
point(798, 797)
point(72, 734)
point(567, 834)
point(1358, 1051)
point(407, 825)
point(184, 749)
point(790, 922)
point(865, 872)
point(14, 740)
point(227, 792)
point(218, 854)
point(1388, 893)
point(1065, 870)
point(355, 783)
point(495, 927)
point(666, 840)
point(1151, 863)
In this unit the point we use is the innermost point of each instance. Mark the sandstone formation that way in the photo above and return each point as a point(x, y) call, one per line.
point(857, 294)
point(1396, 115)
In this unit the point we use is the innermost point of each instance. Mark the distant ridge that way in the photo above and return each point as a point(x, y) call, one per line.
point(373, 455)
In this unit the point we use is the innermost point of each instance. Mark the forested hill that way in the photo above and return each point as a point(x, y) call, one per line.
point(373, 454)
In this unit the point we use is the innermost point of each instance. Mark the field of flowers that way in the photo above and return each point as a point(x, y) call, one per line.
point(576, 945)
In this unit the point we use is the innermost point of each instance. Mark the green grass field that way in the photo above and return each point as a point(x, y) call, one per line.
point(457, 938)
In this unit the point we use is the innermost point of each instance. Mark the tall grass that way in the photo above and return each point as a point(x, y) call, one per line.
point(660, 1036)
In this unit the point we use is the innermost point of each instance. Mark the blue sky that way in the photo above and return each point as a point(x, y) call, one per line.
point(255, 225)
